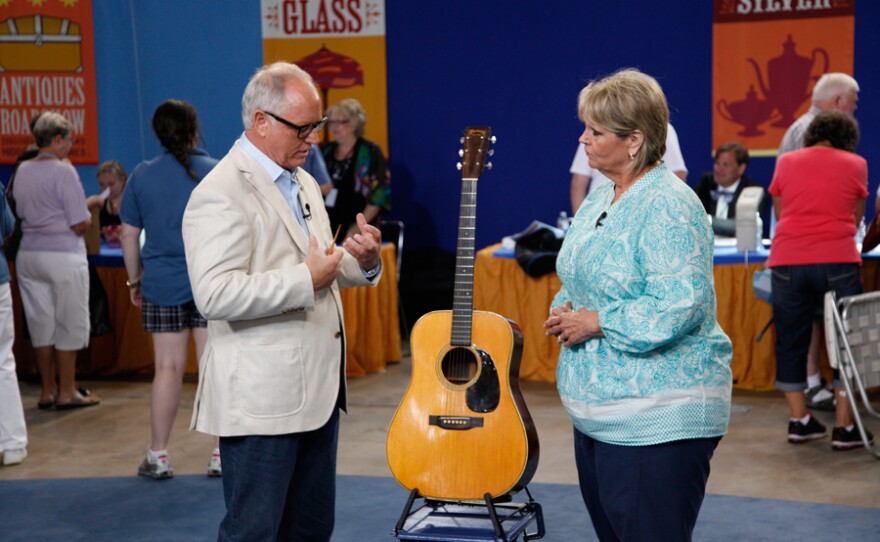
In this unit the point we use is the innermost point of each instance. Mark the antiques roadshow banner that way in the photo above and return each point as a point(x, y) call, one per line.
point(47, 63)
point(767, 55)
point(341, 43)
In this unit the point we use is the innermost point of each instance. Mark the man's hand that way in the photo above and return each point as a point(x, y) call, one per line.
point(323, 267)
point(364, 246)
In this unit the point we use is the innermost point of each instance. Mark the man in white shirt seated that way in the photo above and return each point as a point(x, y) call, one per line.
point(584, 178)
point(720, 189)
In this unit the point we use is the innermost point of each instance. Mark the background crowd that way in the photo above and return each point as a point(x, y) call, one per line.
point(626, 183)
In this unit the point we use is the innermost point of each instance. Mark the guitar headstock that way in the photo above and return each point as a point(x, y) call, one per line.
point(475, 150)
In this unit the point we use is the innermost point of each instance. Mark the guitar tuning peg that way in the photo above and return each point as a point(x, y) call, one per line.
point(490, 152)
point(458, 166)
point(461, 141)
point(492, 139)
point(460, 152)
point(488, 165)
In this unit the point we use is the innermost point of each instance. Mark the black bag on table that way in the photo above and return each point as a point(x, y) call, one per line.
point(536, 252)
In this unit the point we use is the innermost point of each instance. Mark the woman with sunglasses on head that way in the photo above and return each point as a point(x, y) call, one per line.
point(361, 183)
point(155, 197)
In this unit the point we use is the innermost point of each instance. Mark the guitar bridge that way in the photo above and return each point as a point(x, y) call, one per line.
point(456, 423)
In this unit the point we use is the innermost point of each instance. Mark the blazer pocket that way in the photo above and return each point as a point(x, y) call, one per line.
point(269, 381)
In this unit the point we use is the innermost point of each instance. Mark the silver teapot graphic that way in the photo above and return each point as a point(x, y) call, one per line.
point(789, 76)
point(749, 113)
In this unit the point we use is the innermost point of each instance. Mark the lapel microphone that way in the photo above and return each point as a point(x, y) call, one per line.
point(308, 212)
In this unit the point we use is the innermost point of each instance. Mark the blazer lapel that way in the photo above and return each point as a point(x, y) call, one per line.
point(259, 179)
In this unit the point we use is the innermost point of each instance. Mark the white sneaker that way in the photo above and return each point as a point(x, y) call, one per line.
point(14, 457)
point(215, 469)
point(820, 398)
point(157, 469)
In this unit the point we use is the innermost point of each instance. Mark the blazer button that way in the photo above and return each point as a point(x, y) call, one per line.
point(337, 334)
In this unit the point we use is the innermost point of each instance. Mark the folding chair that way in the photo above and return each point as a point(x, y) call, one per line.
point(852, 336)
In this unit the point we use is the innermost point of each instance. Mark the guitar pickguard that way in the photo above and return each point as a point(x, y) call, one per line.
point(484, 395)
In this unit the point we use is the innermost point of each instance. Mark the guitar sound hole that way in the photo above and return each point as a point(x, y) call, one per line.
point(459, 366)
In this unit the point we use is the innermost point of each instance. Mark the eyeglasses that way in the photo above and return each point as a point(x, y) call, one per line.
point(302, 132)
point(340, 121)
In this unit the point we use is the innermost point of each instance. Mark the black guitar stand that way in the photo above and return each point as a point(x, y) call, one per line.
point(493, 520)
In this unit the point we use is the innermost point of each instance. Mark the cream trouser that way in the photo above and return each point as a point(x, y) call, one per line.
point(13, 433)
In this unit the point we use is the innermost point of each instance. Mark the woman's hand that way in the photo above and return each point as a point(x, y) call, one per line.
point(572, 327)
point(137, 297)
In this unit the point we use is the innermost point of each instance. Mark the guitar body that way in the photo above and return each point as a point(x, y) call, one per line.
point(437, 443)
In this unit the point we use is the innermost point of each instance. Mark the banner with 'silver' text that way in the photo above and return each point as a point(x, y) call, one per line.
point(767, 55)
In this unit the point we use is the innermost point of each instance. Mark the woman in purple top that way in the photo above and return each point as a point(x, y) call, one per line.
point(51, 264)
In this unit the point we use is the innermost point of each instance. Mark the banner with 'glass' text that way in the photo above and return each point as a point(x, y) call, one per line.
point(47, 63)
point(767, 55)
point(341, 43)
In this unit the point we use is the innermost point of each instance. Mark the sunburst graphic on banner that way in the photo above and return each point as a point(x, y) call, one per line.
point(37, 3)
point(372, 12)
point(4, 3)
point(69, 3)
point(272, 16)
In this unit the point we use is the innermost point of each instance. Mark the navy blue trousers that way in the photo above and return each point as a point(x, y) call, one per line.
point(798, 296)
point(280, 487)
point(643, 493)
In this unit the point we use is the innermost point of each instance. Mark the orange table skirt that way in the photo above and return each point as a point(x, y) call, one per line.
point(501, 286)
point(371, 321)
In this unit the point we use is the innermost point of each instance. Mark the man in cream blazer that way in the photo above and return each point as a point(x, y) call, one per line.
point(266, 275)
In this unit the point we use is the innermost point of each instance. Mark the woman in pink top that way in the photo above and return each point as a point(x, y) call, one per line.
point(819, 200)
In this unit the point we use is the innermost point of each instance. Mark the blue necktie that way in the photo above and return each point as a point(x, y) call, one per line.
point(290, 189)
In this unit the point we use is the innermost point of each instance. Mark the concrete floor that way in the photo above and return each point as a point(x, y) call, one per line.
point(753, 460)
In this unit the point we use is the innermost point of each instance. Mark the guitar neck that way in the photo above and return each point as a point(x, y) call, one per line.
point(463, 294)
point(474, 153)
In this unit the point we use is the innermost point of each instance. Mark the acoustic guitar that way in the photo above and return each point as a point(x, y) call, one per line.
point(463, 429)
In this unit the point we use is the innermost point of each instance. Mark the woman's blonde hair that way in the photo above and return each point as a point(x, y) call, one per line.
point(623, 102)
point(354, 112)
point(114, 167)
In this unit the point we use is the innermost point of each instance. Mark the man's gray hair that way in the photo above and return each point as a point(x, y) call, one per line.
point(832, 85)
point(265, 90)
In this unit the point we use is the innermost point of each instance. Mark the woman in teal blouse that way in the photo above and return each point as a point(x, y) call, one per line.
point(644, 371)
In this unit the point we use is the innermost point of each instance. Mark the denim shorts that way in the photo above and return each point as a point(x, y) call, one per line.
point(170, 319)
point(798, 293)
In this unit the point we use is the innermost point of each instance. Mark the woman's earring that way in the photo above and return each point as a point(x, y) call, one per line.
point(632, 156)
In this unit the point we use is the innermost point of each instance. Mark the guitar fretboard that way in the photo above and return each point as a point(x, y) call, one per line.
point(463, 294)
